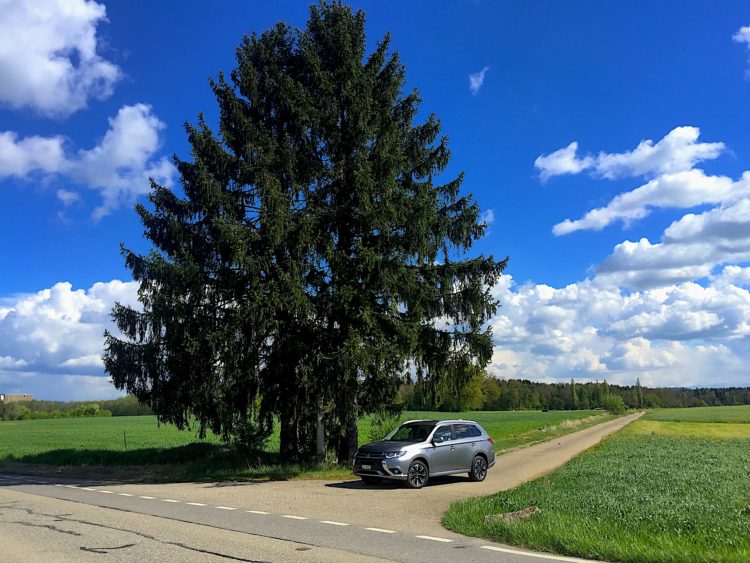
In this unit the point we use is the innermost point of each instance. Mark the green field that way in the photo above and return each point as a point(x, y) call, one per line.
point(666, 488)
point(138, 440)
point(738, 414)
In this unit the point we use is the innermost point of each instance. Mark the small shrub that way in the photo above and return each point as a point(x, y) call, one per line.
point(614, 404)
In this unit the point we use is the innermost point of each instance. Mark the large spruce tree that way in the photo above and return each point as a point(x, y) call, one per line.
point(311, 264)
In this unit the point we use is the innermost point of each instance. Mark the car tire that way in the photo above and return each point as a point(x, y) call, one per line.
point(371, 480)
point(478, 468)
point(418, 475)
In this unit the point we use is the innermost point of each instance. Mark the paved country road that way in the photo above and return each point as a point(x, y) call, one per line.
point(54, 519)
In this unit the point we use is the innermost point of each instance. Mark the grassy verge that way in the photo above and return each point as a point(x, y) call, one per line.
point(136, 446)
point(661, 490)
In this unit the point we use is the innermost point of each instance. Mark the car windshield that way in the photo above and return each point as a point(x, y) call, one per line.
point(411, 432)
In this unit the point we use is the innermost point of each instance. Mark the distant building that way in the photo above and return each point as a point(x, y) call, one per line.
point(5, 398)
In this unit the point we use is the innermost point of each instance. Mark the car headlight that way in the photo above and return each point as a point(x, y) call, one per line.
point(389, 455)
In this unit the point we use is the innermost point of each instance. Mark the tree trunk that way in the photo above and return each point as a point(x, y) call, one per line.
point(320, 436)
point(288, 436)
point(349, 442)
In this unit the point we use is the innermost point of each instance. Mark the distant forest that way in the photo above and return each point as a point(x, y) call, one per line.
point(482, 392)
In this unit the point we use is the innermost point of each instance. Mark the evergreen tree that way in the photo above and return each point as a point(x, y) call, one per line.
point(303, 270)
point(638, 393)
point(573, 394)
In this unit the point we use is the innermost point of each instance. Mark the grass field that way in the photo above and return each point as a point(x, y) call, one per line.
point(129, 441)
point(666, 488)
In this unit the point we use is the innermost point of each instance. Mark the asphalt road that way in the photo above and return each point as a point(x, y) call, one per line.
point(52, 519)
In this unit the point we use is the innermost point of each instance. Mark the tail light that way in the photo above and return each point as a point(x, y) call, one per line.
point(491, 441)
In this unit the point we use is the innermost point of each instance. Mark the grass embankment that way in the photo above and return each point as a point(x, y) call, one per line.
point(667, 488)
point(163, 452)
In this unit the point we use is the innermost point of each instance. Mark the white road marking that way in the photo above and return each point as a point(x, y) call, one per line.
point(195, 503)
point(125, 494)
point(432, 538)
point(256, 512)
point(59, 485)
point(70, 486)
point(107, 492)
point(87, 489)
point(332, 523)
point(381, 530)
point(148, 498)
point(169, 500)
point(537, 555)
point(225, 508)
point(294, 517)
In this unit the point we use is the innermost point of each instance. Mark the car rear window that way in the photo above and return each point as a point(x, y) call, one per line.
point(466, 431)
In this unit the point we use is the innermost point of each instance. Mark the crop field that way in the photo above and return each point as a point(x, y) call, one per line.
point(738, 414)
point(660, 490)
point(138, 440)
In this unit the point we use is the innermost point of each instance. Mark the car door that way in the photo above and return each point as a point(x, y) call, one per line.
point(442, 456)
point(465, 446)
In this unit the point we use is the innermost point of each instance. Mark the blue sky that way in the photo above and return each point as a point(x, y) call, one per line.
point(653, 283)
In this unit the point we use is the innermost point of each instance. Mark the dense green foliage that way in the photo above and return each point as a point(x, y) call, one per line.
point(483, 392)
point(139, 441)
point(641, 495)
point(614, 404)
point(301, 271)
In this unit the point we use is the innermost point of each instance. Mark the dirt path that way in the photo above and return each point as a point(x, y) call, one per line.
point(389, 507)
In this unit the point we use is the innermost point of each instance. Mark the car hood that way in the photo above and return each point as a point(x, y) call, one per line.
point(385, 446)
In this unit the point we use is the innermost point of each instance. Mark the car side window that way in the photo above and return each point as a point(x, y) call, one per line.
point(475, 432)
point(462, 431)
point(443, 432)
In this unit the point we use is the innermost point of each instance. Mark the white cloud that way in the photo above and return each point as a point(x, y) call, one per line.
point(121, 164)
point(691, 248)
point(678, 151)
point(18, 158)
point(118, 167)
point(55, 337)
point(562, 161)
point(680, 190)
point(476, 80)
point(48, 56)
point(593, 330)
point(487, 217)
point(743, 36)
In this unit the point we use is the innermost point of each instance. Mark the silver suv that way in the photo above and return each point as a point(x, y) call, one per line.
point(420, 449)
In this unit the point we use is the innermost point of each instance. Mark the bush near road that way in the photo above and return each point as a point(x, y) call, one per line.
point(128, 441)
point(660, 490)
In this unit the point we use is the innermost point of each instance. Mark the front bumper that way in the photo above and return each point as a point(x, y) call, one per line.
point(392, 468)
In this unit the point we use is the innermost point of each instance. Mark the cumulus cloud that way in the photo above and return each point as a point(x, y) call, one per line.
point(691, 248)
point(593, 330)
point(679, 150)
point(53, 339)
point(680, 190)
point(476, 80)
point(562, 161)
point(49, 58)
point(118, 167)
point(20, 157)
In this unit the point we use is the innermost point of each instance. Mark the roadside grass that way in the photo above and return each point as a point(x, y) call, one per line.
point(738, 414)
point(107, 447)
point(657, 491)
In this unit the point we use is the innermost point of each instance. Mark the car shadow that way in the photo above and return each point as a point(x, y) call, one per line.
point(393, 484)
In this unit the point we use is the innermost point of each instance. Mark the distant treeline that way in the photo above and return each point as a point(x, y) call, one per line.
point(31, 410)
point(483, 392)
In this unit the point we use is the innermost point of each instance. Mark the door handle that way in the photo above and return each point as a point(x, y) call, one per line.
point(453, 448)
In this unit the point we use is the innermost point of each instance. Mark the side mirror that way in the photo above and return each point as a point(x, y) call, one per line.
point(438, 440)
